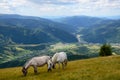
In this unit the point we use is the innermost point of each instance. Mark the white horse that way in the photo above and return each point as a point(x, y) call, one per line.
point(37, 62)
point(60, 57)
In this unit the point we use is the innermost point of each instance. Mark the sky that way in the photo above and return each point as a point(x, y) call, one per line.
point(44, 8)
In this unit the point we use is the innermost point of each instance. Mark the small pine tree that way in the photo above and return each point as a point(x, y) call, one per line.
point(105, 50)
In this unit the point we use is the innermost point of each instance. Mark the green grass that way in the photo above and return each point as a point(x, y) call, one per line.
point(101, 68)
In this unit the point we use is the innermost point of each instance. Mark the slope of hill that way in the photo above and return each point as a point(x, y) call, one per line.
point(33, 30)
point(94, 30)
point(31, 22)
point(81, 21)
point(102, 68)
point(108, 32)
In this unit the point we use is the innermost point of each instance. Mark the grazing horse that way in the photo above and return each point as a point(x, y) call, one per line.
point(60, 57)
point(37, 62)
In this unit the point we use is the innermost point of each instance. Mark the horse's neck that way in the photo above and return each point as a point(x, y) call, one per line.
point(27, 64)
point(54, 58)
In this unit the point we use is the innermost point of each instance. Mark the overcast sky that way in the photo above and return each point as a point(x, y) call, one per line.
point(60, 7)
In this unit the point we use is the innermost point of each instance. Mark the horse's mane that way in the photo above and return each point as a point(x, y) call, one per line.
point(26, 63)
point(54, 57)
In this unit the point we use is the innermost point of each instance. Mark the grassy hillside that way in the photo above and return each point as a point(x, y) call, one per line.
point(102, 68)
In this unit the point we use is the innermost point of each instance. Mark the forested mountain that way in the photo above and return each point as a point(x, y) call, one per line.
point(33, 30)
point(36, 30)
point(94, 30)
point(31, 22)
point(81, 21)
point(102, 33)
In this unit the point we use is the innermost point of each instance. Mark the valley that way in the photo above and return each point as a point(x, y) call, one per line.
point(23, 37)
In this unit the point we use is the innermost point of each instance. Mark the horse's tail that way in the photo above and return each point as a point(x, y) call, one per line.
point(66, 62)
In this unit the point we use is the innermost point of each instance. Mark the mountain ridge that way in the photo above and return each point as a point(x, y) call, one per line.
point(36, 25)
point(91, 28)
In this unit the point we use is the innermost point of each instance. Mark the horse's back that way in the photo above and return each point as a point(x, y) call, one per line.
point(40, 61)
point(41, 58)
point(61, 56)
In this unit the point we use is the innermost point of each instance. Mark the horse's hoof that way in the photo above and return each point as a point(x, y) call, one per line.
point(54, 68)
point(49, 70)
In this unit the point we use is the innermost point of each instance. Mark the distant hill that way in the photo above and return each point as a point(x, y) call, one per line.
point(94, 30)
point(33, 30)
point(39, 30)
point(31, 22)
point(114, 17)
point(108, 32)
point(80, 21)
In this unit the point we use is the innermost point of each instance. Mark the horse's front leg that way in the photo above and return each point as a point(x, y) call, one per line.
point(63, 65)
point(35, 69)
point(59, 64)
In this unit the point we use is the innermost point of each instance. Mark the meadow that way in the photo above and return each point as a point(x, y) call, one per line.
point(100, 68)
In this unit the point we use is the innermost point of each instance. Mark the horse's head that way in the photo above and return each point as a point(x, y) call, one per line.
point(50, 64)
point(24, 71)
point(53, 66)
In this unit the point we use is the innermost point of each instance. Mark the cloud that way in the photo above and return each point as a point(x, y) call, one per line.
point(10, 5)
point(60, 7)
point(4, 7)
point(54, 2)
point(88, 3)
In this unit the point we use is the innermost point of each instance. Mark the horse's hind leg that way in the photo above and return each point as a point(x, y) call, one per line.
point(65, 62)
point(35, 69)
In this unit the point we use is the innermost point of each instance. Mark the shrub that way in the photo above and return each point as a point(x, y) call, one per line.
point(105, 50)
